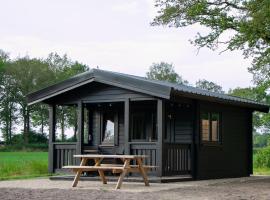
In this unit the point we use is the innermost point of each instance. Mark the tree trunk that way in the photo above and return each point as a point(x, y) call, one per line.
point(10, 124)
point(26, 124)
point(42, 123)
point(63, 126)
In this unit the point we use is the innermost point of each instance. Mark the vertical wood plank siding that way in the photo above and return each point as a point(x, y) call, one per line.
point(230, 158)
point(177, 159)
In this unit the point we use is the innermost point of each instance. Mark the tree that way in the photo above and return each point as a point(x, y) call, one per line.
point(40, 116)
point(7, 99)
point(246, 22)
point(64, 68)
point(28, 75)
point(164, 71)
point(261, 121)
point(208, 85)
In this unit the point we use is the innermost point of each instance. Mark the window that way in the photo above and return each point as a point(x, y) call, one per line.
point(108, 129)
point(138, 126)
point(210, 127)
point(143, 125)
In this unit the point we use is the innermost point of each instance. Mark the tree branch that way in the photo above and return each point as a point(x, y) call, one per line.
point(227, 4)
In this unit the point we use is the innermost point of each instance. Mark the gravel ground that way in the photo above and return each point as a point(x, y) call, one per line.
point(256, 187)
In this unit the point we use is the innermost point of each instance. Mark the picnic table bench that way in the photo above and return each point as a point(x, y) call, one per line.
point(123, 169)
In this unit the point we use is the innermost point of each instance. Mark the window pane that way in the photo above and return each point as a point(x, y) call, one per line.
point(108, 128)
point(205, 127)
point(215, 126)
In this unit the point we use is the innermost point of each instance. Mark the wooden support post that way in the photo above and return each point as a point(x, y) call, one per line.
point(160, 133)
point(250, 142)
point(80, 137)
point(52, 124)
point(195, 139)
point(126, 125)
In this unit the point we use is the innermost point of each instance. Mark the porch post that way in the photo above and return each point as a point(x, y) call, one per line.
point(195, 140)
point(126, 125)
point(52, 124)
point(160, 134)
point(250, 142)
point(80, 136)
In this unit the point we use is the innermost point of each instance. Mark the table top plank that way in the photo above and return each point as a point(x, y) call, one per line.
point(110, 156)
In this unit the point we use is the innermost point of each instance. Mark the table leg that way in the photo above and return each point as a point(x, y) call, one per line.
point(123, 174)
point(79, 172)
point(142, 171)
point(100, 172)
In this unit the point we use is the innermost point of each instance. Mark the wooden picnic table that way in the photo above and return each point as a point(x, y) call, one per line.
point(123, 168)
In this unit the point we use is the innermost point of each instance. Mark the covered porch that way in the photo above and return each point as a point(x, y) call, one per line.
point(150, 126)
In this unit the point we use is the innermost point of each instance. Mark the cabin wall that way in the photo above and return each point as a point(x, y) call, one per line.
point(232, 157)
point(97, 92)
point(178, 137)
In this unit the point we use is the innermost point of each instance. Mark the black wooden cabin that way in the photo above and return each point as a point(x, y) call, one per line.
point(183, 130)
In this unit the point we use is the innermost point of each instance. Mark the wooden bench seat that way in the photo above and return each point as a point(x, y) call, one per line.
point(115, 168)
point(93, 168)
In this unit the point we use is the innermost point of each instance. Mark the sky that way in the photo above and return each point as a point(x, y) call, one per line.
point(114, 35)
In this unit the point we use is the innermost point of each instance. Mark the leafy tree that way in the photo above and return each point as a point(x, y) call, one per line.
point(7, 99)
point(246, 22)
point(261, 140)
point(40, 116)
point(164, 71)
point(260, 120)
point(29, 75)
point(64, 68)
point(208, 85)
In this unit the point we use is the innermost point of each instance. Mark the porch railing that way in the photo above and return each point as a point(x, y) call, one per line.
point(145, 148)
point(64, 154)
point(177, 159)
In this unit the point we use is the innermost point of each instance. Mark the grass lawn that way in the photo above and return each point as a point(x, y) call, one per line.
point(23, 165)
point(20, 165)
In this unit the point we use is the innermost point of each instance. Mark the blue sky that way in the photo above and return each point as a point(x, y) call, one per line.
point(114, 35)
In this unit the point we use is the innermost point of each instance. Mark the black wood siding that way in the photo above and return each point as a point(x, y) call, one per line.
point(231, 157)
point(179, 123)
point(96, 92)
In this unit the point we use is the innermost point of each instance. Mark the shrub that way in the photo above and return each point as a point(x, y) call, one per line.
point(262, 158)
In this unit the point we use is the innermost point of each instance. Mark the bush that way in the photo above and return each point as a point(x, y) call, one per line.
point(25, 147)
point(262, 158)
point(33, 138)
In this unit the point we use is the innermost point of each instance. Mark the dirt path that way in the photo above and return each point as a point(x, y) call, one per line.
point(243, 188)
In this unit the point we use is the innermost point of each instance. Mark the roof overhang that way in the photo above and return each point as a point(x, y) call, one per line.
point(154, 88)
point(99, 76)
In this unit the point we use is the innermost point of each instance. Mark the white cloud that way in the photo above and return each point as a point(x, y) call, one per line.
point(130, 7)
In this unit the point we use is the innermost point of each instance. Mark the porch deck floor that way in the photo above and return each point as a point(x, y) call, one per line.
point(152, 179)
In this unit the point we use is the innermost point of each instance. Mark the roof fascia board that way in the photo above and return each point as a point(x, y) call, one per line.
point(256, 107)
point(62, 91)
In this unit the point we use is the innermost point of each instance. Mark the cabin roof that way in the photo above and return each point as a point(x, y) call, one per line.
point(161, 89)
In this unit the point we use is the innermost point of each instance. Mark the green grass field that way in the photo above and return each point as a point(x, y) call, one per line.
point(16, 165)
point(20, 165)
